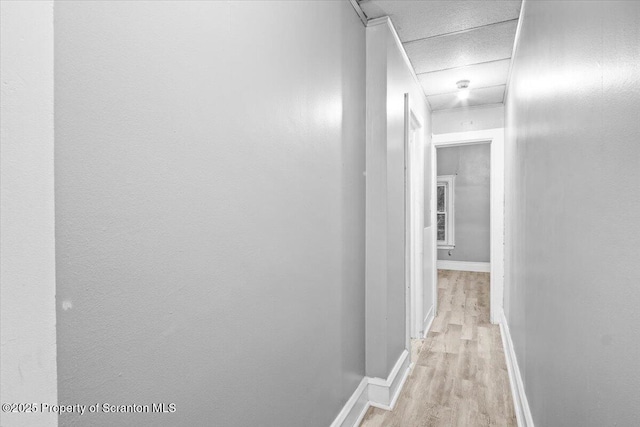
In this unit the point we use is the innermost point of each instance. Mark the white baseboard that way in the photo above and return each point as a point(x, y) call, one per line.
point(384, 393)
point(520, 403)
point(356, 407)
point(376, 392)
point(480, 267)
point(379, 392)
point(428, 321)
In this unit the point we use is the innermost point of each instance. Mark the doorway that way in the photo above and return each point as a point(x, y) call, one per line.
point(495, 138)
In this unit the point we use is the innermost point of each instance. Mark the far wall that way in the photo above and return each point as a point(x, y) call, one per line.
point(468, 119)
point(471, 164)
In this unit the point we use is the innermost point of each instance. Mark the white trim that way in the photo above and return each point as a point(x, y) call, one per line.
point(356, 407)
point(434, 229)
point(449, 182)
point(383, 393)
point(520, 402)
point(379, 392)
point(480, 267)
point(516, 44)
point(386, 20)
point(496, 219)
point(414, 222)
point(409, 290)
point(428, 321)
point(496, 138)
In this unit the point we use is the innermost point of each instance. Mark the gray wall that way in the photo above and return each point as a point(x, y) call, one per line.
point(210, 209)
point(572, 209)
point(399, 82)
point(27, 228)
point(468, 119)
point(388, 79)
point(471, 164)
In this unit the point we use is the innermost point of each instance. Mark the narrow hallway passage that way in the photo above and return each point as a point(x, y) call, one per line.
point(460, 376)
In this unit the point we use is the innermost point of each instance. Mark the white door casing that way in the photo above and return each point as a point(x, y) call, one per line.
point(414, 202)
point(495, 137)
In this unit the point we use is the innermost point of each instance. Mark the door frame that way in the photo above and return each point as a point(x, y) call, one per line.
point(414, 217)
point(494, 137)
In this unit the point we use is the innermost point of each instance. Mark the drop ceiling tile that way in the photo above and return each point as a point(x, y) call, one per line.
point(482, 45)
point(419, 19)
point(479, 75)
point(489, 95)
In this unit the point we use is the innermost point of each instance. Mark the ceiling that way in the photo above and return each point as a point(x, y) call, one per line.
point(448, 41)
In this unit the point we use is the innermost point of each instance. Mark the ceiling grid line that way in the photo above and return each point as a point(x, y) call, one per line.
point(466, 30)
point(465, 66)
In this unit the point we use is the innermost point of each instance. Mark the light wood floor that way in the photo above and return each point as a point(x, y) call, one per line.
point(460, 377)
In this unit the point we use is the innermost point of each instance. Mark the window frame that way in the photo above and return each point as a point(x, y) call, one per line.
point(448, 181)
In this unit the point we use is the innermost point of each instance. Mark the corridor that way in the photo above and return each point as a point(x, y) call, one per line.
point(460, 377)
point(416, 213)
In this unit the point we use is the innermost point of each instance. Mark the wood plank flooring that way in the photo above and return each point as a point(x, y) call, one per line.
point(460, 376)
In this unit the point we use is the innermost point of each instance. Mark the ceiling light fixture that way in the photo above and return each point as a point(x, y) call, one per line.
point(463, 89)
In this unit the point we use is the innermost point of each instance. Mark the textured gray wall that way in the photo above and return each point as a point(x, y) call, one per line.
point(388, 79)
point(210, 209)
point(572, 209)
point(472, 165)
point(399, 82)
point(27, 225)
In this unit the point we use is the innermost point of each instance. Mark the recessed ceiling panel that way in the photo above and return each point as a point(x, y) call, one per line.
point(489, 95)
point(419, 19)
point(479, 75)
point(485, 44)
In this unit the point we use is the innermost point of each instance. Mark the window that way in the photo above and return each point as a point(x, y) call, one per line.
point(445, 213)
